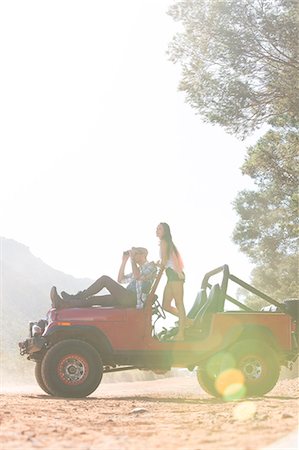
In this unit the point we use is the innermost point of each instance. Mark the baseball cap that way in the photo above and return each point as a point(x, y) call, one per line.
point(140, 250)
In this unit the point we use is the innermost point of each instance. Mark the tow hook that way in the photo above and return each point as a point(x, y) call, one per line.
point(32, 345)
point(23, 348)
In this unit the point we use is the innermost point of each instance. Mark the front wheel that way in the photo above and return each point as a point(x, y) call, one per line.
point(72, 368)
point(39, 378)
point(249, 368)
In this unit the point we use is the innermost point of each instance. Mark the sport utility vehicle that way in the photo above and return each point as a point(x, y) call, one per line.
point(237, 353)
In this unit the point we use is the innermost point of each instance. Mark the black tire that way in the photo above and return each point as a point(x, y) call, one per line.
point(72, 368)
point(39, 379)
point(257, 362)
point(206, 382)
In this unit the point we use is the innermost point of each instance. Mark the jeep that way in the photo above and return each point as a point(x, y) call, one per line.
point(237, 352)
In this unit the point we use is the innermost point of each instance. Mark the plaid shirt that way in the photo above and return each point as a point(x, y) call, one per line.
point(142, 286)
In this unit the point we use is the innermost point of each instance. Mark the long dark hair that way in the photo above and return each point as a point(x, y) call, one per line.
point(168, 238)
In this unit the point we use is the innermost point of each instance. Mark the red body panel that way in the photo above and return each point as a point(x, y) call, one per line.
point(130, 329)
point(279, 324)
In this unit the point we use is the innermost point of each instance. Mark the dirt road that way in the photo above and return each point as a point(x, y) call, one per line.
point(171, 413)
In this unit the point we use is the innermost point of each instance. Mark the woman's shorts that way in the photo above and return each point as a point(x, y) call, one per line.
point(172, 275)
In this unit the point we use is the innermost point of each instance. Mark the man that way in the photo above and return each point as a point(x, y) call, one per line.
point(139, 283)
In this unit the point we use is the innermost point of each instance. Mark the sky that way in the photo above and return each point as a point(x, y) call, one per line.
point(98, 146)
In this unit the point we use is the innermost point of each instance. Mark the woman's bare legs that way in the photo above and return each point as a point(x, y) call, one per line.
point(178, 295)
point(167, 299)
point(174, 290)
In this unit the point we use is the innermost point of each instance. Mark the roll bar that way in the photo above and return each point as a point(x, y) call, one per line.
point(225, 270)
point(257, 292)
point(226, 277)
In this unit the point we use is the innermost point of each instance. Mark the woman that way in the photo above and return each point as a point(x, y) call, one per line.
point(174, 289)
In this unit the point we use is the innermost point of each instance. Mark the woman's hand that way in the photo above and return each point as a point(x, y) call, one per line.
point(159, 264)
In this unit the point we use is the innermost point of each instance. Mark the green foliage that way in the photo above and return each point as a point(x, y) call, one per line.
point(267, 230)
point(239, 61)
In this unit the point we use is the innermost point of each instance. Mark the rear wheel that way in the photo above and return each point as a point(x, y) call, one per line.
point(72, 368)
point(259, 364)
point(39, 379)
point(249, 368)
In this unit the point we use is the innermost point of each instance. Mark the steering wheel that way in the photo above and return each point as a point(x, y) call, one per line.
point(157, 308)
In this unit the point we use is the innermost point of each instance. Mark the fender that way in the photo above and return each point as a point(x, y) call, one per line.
point(87, 333)
point(260, 332)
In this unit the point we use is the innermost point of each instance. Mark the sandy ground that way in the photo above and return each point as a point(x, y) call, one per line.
point(171, 413)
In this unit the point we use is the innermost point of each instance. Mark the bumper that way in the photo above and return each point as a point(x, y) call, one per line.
point(32, 345)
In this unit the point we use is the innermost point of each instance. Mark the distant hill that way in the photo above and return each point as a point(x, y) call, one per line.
point(25, 285)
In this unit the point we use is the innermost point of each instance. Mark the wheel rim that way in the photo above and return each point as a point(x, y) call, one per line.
point(73, 369)
point(252, 368)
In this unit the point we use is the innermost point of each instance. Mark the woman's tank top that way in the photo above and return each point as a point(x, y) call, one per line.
point(174, 262)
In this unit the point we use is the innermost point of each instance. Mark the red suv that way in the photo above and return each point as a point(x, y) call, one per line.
point(236, 351)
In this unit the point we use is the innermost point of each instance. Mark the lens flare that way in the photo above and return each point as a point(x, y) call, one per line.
point(228, 381)
point(231, 384)
point(244, 411)
point(220, 363)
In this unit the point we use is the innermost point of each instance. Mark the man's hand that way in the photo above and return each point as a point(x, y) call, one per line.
point(126, 256)
point(121, 272)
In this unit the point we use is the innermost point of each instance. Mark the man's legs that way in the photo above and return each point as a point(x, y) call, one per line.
point(120, 296)
point(104, 281)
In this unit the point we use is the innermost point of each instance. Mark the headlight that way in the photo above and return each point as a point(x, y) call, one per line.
point(36, 330)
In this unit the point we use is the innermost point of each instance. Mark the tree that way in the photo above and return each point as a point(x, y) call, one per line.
point(239, 61)
point(240, 70)
point(267, 230)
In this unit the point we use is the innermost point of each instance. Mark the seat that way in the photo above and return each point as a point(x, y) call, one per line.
point(200, 300)
point(211, 306)
point(203, 318)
